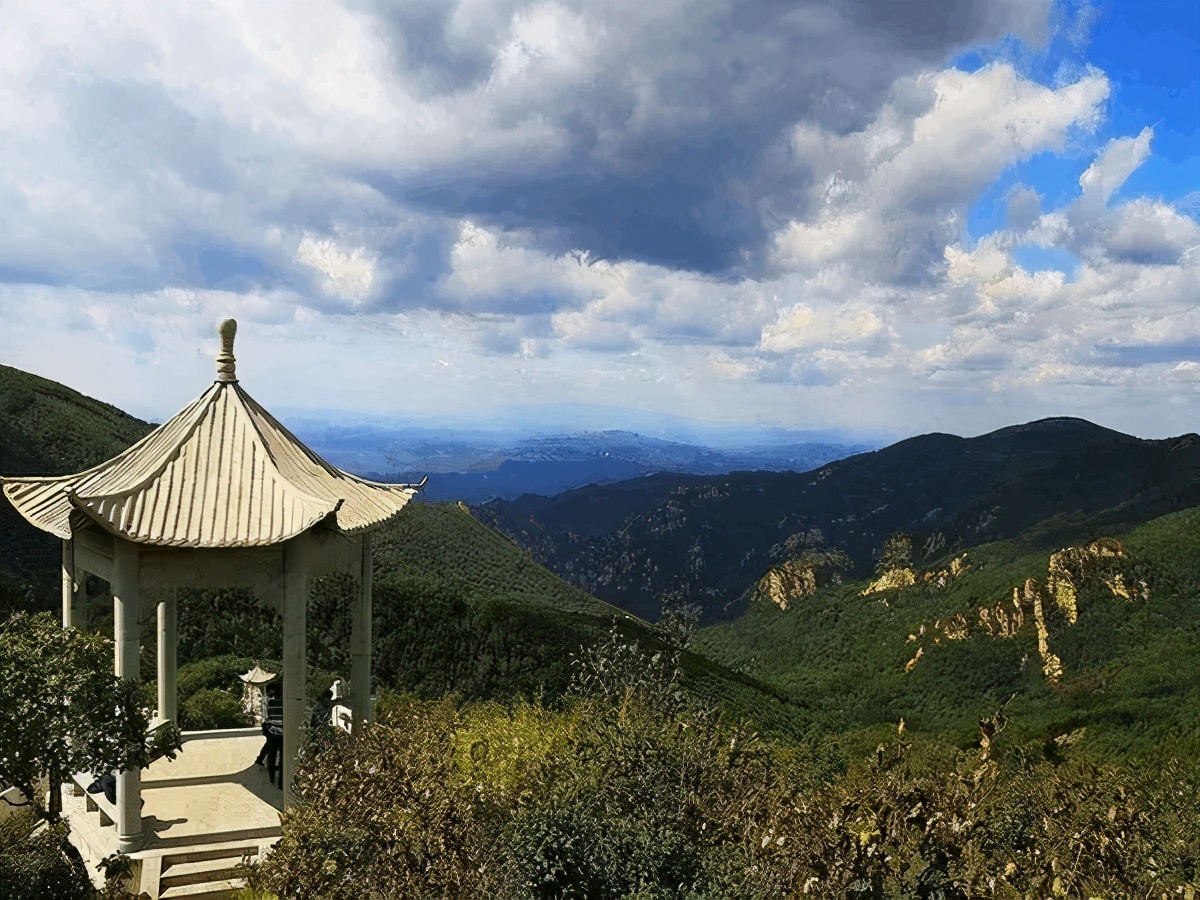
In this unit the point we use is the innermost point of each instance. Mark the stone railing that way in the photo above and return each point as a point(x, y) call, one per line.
point(342, 717)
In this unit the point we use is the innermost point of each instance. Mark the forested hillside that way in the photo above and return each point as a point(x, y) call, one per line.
point(1113, 647)
point(48, 429)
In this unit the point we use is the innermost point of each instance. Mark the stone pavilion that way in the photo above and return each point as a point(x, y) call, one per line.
point(220, 495)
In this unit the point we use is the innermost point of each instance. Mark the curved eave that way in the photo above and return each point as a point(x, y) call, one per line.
point(221, 473)
point(44, 503)
point(398, 496)
point(45, 509)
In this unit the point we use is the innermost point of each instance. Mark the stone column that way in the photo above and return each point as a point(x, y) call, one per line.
point(68, 584)
point(295, 656)
point(360, 640)
point(127, 634)
point(168, 697)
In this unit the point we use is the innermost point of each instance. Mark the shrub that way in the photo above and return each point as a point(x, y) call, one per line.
point(395, 820)
point(218, 673)
point(625, 799)
point(226, 621)
point(210, 708)
point(38, 862)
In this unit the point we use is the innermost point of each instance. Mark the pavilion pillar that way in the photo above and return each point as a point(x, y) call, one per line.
point(127, 633)
point(69, 594)
point(168, 697)
point(360, 640)
point(295, 656)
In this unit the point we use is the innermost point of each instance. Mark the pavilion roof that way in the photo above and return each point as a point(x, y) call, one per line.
point(258, 675)
point(223, 472)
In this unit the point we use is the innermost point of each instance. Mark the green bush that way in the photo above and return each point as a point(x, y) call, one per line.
point(211, 708)
point(226, 621)
point(622, 798)
point(38, 862)
point(218, 673)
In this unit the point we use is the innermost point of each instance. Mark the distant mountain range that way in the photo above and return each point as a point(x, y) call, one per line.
point(478, 469)
point(708, 535)
point(712, 536)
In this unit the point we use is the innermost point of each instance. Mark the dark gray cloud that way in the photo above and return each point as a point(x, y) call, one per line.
point(673, 123)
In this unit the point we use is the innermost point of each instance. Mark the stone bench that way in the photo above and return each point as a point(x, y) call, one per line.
point(95, 802)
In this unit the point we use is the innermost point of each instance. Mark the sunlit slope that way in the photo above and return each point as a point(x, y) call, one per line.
point(1130, 666)
point(48, 429)
point(461, 608)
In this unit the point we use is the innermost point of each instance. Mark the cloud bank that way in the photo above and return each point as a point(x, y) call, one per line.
point(731, 211)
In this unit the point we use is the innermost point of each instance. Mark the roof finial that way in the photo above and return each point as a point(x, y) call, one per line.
point(225, 359)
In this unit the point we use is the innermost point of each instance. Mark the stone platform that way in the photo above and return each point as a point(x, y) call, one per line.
point(204, 812)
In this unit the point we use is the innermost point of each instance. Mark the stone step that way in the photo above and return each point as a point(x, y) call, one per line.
point(209, 889)
point(207, 851)
point(199, 872)
point(245, 834)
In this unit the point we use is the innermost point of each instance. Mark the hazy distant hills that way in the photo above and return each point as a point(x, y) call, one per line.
point(713, 536)
point(477, 469)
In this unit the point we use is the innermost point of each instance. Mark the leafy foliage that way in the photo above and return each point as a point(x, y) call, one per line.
point(896, 555)
point(679, 619)
point(211, 708)
point(64, 710)
point(216, 673)
point(224, 622)
point(592, 799)
point(37, 861)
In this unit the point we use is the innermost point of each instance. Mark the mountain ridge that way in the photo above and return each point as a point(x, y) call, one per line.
point(708, 536)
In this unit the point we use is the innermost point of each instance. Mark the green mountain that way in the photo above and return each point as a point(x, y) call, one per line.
point(712, 537)
point(49, 429)
point(461, 608)
point(1130, 665)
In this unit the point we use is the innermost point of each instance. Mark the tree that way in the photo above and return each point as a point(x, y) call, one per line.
point(224, 621)
point(679, 619)
point(16, 594)
point(64, 711)
point(897, 554)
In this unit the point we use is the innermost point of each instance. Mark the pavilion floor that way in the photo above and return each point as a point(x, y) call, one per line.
point(211, 794)
point(211, 788)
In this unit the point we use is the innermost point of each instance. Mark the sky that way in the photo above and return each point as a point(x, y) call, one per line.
point(864, 216)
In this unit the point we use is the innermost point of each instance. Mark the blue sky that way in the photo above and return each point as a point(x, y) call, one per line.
point(705, 214)
point(1149, 52)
